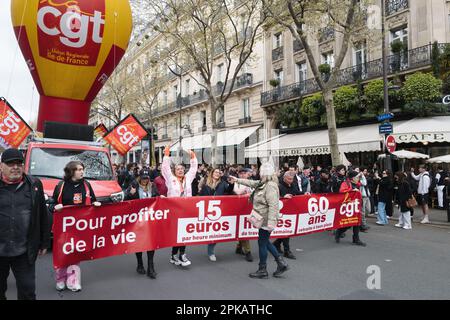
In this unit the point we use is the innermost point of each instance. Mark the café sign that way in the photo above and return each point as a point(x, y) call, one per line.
point(422, 137)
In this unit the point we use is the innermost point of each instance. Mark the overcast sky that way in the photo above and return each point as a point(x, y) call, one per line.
point(22, 94)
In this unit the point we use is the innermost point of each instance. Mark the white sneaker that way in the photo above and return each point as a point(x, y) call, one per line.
point(387, 217)
point(407, 228)
point(75, 288)
point(60, 286)
point(213, 258)
point(425, 220)
point(174, 259)
point(184, 261)
point(398, 225)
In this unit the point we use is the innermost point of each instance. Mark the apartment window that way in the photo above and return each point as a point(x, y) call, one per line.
point(220, 72)
point(165, 97)
point(360, 54)
point(277, 40)
point(188, 120)
point(279, 76)
point(220, 115)
point(302, 70)
point(360, 59)
point(246, 108)
point(400, 34)
point(165, 128)
point(203, 118)
point(187, 87)
point(175, 93)
point(328, 58)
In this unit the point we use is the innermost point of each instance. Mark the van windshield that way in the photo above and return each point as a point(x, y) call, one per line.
point(50, 163)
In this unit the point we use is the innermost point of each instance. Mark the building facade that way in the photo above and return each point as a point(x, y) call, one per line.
point(278, 56)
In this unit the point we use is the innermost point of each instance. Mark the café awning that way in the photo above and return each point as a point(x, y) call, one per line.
point(423, 130)
point(227, 137)
point(352, 139)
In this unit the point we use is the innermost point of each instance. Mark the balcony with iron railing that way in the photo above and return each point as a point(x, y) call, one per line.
point(242, 81)
point(277, 53)
point(398, 63)
point(394, 6)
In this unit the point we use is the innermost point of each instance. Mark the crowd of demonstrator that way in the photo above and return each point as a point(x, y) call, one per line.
point(19, 193)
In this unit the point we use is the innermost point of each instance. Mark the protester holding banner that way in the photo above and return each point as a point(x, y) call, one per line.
point(265, 200)
point(214, 186)
point(24, 225)
point(73, 190)
point(287, 190)
point(142, 188)
point(344, 185)
point(179, 184)
point(243, 246)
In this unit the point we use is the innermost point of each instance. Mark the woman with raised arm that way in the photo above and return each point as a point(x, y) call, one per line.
point(265, 200)
point(179, 184)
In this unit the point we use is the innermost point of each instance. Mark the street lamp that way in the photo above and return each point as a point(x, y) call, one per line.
point(388, 162)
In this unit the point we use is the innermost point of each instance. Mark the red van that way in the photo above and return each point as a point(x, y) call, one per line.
point(46, 159)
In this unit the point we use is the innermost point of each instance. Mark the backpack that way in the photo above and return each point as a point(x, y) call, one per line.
point(433, 182)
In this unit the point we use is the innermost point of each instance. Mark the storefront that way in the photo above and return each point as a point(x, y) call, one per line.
point(360, 144)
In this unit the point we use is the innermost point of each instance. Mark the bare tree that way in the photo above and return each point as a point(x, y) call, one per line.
point(305, 17)
point(149, 87)
point(202, 32)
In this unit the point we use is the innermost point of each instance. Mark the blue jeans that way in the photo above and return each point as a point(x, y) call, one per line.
point(211, 248)
point(382, 213)
point(264, 246)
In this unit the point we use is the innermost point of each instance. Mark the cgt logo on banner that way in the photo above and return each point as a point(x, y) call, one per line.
point(13, 129)
point(100, 131)
point(86, 233)
point(126, 134)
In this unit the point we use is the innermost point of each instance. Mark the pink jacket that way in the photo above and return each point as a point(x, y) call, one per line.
point(173, 186)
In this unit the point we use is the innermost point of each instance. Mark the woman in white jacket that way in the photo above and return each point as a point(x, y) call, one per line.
point(179, 184)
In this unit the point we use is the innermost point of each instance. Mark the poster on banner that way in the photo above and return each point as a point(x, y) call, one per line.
point(126, 134)
point(88, 233)
point(13, 129)
point(100, 131)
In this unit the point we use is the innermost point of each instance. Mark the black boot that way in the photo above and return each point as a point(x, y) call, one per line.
point(249, 257)
point(358, 242)
point(151, 271)
point(288, 254)
point(140, 269)
point(261, 273)
point(337, 236)
point(239, 250)
point(282, 266)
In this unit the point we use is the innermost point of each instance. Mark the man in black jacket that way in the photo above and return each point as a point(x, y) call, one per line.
point(287, 190)
point(24, 225)
point(322, 184)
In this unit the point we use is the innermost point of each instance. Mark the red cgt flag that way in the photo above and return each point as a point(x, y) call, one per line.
point(126, 134)
point(100, 131)
point(13, 129)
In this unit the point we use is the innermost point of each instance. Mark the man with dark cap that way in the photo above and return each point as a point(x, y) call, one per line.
point(352, 183)
point(287, 190)
point(322, 184)
point(24, 225)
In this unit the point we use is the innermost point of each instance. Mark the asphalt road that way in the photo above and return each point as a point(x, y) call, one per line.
point(413, 265)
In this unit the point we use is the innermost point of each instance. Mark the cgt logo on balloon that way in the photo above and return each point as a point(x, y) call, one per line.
point(209, 226)
point(71, 33)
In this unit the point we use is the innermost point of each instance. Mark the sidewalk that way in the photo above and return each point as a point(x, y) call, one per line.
point(437, 217)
